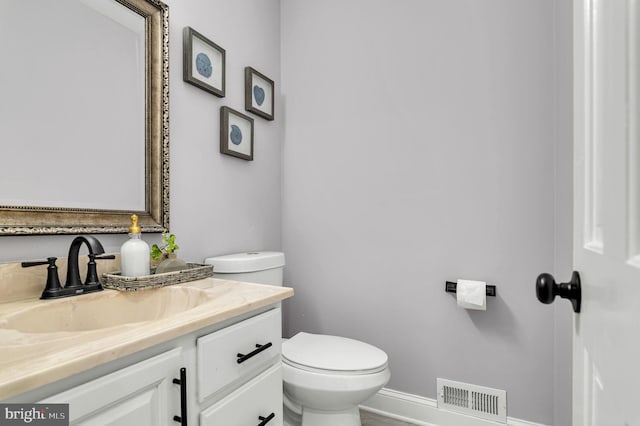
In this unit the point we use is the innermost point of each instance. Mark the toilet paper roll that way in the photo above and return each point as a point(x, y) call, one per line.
point(472, 294)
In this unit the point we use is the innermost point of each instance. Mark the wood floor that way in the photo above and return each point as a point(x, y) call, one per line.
point(371, 419)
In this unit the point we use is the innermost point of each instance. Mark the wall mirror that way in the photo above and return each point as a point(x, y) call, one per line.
point(84, 116)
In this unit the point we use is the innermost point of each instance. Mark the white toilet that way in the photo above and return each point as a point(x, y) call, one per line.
point(325, 377)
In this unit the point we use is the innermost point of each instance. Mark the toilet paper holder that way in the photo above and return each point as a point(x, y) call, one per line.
point(450, 287)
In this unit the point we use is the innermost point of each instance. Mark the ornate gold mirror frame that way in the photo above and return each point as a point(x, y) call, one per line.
point(33, 220)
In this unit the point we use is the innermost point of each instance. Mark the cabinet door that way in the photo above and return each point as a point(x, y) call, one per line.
point(142, 394)
point(259, 399)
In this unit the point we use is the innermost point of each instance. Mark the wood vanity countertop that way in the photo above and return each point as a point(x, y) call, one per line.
point(31, 360)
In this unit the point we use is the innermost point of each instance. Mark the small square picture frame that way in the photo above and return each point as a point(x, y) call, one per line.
point(203, 62)
point(258, 93)
point(236, 134)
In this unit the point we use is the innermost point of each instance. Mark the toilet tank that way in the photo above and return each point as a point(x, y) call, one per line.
point(262, 267)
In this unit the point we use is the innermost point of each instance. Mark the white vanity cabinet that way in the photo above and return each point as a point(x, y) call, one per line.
point(232, 372)
point(141, 394)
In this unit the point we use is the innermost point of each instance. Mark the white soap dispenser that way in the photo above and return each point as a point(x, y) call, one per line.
point(134, 253)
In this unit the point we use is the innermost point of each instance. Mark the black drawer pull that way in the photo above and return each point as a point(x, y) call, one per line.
point(266, 420)
point(242, 357)
point(182, 381)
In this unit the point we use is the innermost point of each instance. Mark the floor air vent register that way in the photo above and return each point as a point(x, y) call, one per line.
point(472, 400)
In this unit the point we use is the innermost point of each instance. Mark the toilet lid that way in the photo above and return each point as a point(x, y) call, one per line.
point(333, 353)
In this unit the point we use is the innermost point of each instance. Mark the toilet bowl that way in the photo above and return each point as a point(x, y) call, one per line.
point(325, 377)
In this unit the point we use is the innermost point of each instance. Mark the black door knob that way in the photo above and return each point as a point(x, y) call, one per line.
point(547, 289)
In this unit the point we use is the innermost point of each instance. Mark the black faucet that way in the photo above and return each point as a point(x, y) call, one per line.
point(73, 285)
point(73, 272)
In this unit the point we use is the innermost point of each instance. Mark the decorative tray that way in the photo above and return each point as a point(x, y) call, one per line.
point(193, 272)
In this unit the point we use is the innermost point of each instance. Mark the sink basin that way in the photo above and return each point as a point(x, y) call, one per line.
point(104, 309)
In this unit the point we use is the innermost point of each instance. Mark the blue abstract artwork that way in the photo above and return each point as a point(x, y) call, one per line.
point(235, 135)
point(258, 93)
point(203, 65)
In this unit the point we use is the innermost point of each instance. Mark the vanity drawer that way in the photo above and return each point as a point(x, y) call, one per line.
point(261, 397)
point(217, 353)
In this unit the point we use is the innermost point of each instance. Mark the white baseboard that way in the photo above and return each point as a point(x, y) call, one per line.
point(425, 412)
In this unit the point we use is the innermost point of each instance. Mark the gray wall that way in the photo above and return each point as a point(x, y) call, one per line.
point(222, 204)
point(219, 204)
point(419, 147)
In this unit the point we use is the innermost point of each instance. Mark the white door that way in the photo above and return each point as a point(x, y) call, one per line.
point(606, 249)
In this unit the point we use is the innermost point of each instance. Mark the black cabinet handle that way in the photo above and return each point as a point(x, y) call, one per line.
point(266, 420)
point(182, 381)
point(242, 357)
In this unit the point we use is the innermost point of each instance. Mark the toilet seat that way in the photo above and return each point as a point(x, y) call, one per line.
point(332, 355)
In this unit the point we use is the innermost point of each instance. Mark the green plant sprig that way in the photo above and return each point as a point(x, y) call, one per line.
point(168, 246)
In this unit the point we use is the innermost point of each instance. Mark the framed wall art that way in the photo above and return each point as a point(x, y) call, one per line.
point(258, 93)
point(236, 134)
point(203, 62)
